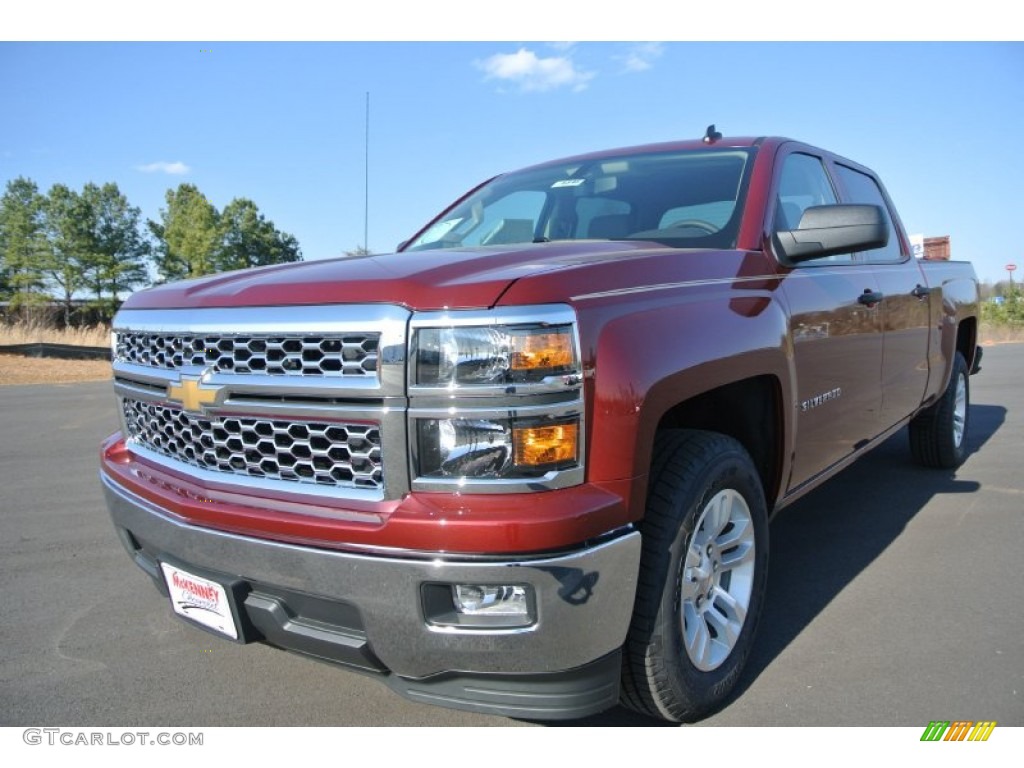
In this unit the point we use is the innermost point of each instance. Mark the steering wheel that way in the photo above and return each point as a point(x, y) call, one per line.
point(705, 226)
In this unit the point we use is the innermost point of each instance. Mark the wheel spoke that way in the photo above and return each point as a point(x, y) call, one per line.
point(959, 410)
point(718, 514)
point(729, 605)
point(693, 556)
point(728, 632)
point(689, 588)
point(698, 641)
point(698, 541)
point(727, 616)
point(741, 529)
point(742, 553)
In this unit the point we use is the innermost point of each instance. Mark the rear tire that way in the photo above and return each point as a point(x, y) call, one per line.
point(938, 435)
point(702, 577)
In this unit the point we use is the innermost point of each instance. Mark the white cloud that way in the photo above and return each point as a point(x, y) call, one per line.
point(533, 73)
point(174, 169)
point(641, 56)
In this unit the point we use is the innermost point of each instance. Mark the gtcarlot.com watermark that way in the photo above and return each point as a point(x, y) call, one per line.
point(70, 737)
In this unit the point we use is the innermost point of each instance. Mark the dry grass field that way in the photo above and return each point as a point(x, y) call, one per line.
point(17, 369)
point(32, 333)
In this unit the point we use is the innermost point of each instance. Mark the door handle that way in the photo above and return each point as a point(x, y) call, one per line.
point(921, 292)
point(869, 298)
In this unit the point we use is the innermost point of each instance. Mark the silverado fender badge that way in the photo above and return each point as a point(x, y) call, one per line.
point(824, 397)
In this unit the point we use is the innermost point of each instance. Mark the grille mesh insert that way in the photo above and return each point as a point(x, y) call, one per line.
point(332, 454)
point(350, 354)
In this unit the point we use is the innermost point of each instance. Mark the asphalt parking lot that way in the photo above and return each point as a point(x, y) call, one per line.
point(895, 596)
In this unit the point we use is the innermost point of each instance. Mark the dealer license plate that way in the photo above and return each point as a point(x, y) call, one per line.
point(201, 600)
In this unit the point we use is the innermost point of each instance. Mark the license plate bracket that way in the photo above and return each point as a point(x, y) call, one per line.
point(208, 603)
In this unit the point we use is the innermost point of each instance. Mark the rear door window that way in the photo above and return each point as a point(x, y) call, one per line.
point(861, 188)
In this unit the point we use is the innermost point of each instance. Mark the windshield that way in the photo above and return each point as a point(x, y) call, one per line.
point(685, 199)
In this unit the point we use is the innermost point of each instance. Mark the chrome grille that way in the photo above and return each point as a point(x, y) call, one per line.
point(333, 454)
point(353, 354)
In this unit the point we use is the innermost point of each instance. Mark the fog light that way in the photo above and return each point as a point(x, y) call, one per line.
point(451, 607)
point(479, 599)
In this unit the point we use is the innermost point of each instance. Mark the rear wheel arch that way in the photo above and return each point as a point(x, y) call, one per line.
point(967, 340)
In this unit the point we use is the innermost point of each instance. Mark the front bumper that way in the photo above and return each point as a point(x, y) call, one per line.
point(367, 611)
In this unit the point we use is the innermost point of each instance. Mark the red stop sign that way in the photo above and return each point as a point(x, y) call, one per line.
point(1010, 267)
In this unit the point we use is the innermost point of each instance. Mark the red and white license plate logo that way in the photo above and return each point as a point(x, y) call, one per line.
point(199, 599)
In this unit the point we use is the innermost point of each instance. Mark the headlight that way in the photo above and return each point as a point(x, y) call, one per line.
point(497, 448)
point(496, 399)
point(497, 355)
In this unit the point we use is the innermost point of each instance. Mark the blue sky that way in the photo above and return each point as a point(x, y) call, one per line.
point(283, 123)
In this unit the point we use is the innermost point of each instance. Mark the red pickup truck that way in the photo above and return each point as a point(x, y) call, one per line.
point(525, 465)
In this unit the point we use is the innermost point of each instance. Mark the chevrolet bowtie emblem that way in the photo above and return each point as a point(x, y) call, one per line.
point(192, 394)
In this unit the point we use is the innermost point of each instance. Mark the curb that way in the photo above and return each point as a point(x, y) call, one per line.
point(62, 351)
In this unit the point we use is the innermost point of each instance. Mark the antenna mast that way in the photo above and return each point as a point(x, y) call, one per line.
point(366, 181)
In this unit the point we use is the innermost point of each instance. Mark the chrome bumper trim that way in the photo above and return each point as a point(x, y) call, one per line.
point(584, 599)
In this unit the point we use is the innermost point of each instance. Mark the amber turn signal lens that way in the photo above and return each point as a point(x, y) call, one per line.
point(542, 350)
point(540, 446)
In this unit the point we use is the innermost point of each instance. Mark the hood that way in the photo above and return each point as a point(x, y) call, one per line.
point(424, 280)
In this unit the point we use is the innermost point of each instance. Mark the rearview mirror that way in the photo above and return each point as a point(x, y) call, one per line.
point(827, 230)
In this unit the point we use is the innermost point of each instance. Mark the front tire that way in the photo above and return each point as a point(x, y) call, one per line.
point(938, 435)
point(702, 577)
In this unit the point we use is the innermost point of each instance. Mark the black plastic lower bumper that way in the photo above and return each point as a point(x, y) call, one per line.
point(566, 695)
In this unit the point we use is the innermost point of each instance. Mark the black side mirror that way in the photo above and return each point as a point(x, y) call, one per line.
point(826, 230)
